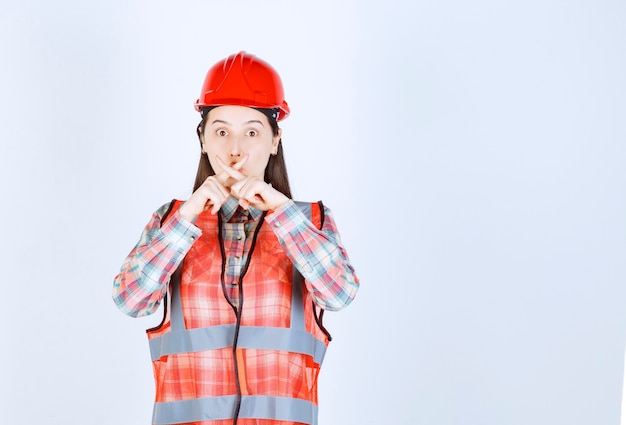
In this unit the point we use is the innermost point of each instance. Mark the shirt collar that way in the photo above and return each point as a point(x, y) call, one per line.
point(230, 206)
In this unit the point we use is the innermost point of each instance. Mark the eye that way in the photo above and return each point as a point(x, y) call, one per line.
point(252, 133)
point(221, 132)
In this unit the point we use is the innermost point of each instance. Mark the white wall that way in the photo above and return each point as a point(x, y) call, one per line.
point(473, 154)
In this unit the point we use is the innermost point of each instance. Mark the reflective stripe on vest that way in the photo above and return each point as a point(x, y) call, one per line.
point(295, 339)
point(253, 407)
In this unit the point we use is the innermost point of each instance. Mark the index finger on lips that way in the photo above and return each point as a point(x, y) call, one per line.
point(237, 166)
point(233, 171)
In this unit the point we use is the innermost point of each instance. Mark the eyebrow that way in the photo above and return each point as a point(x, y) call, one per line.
point(247, 122)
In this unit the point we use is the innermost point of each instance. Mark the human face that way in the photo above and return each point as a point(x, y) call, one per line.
point(238, 133)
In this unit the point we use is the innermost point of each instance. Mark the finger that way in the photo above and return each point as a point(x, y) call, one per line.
point(250, 190)
point(215, 194)
point(237, 189)
point(216, 207)
point(233, 171)
point(214, 183)
point(239, 165)
point(221, 179)
point(214, 204)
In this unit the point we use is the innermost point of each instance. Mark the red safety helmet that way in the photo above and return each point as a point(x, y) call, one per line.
point(243, 80)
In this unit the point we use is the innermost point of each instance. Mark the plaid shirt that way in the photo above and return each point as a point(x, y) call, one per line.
point(318, 255)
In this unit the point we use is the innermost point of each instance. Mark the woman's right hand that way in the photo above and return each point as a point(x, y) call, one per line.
point(211, 194)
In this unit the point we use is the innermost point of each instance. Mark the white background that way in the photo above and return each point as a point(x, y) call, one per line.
point(473, 154)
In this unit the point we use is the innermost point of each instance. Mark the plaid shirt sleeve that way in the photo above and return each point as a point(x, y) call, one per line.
point(317, 254)
point(143, 278)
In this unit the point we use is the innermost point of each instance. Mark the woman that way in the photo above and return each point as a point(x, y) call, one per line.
point(247, 271)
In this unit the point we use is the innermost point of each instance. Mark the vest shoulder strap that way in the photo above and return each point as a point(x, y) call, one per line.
point(314, 211)
point(169, 210)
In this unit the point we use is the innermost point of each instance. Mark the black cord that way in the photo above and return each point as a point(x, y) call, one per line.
point(236, 309)
point(320, 321)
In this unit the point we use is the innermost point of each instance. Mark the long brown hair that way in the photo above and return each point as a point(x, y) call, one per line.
point(275, 172)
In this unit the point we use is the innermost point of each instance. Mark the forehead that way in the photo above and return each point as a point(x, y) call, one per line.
point(236, 115)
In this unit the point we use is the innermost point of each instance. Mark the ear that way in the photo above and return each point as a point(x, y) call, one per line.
point(200, 132)
point(276, 141)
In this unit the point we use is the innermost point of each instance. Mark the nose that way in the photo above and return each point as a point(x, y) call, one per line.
point(234, 150)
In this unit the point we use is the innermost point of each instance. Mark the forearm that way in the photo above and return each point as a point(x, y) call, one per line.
point(145, 274)
point(317, 254)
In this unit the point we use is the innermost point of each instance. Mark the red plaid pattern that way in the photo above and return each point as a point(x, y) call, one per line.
point(287, 237)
